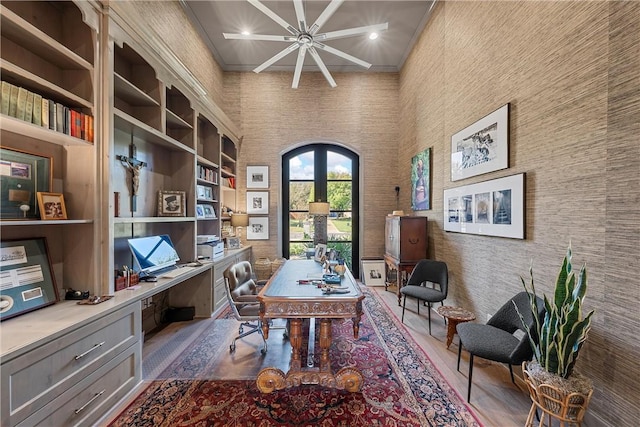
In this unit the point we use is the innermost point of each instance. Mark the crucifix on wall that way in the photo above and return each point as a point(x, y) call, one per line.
point(134, 166)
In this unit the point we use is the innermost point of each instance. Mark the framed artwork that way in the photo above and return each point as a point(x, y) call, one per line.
point(22, 175)
point(257, 202)
point(233, 243)
point(373, 272)
point(204, 192)
point(28, 282)
point(482, 147)
point(492, 208)
point(257, 176)
point(209, 212)
point(258, 228)
point(320, 251)
point(200, 211)
point(171, 203)
point(421, 181)
point(51, 205)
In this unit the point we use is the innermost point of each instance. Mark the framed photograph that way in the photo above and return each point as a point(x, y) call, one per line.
point(28, 282)
point(373, 272)
point(482, 147)
point(51, 205)
point(492, 208)
point(209, 212)
point(320, 251)
point(200, 211)
point(22, 175)
point(258, 228)
point(257, 202)
point(421, 181)
point(204, 192)
point(171, 203)
point(257, 176)
point(233, 243)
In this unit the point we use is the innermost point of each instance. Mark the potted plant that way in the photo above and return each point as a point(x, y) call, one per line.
point(554, 385)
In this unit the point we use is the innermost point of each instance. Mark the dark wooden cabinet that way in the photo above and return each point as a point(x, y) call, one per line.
point(405, 245)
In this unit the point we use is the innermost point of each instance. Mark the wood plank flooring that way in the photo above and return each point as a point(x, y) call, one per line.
point(494, 398)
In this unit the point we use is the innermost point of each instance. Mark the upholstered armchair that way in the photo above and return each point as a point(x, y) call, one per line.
point(242, 291)
point(421, 285)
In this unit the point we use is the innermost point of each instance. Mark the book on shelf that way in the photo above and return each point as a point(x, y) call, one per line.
point(13, 101)
point(22, 103)
point(53, 121)
point(37, 109)
point(6, 96)
point(45, 113)
point(28, 107)
point(59, 117)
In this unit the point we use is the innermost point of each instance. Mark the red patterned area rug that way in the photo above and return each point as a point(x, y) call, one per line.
point(401, 386)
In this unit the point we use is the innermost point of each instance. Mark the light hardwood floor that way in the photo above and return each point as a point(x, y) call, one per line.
point(494, 398)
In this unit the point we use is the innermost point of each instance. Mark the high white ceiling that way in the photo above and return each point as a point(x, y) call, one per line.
point(386, 54)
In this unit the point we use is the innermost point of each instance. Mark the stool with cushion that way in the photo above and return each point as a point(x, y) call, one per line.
point(421, 285)
point(242, 291)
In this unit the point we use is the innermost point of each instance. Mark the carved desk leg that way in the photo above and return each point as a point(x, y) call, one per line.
point(296, 343)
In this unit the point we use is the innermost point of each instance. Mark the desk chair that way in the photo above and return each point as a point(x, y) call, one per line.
point(426, 271)
point(242, 291)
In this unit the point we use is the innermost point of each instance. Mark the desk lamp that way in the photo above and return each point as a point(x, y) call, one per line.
point(239, 220)
point(319, 211)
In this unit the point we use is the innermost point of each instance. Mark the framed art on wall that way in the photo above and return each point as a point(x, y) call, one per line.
point(22, 175)
point(171, 203)
point(258, 228)
point(257, 202)
point(492, 208)
point(421, 181)
point(257, 176)
point(481, 147)
point(29, 283)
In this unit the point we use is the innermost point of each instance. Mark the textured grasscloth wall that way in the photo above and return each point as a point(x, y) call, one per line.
point(571, 72)
point(361, 114)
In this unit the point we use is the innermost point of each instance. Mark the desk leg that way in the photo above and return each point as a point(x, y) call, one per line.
point(325, 343)
point(295, 338)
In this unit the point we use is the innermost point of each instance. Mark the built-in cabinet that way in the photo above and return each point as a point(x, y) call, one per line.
point(405, 244)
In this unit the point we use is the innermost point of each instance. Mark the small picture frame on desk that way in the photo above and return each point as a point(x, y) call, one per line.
point(171, 203)
point(321, 251)
point(233, 243)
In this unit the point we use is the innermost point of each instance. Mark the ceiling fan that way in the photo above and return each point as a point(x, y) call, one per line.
point(306, 38)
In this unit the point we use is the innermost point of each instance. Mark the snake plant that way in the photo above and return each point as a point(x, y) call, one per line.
point(563, 330)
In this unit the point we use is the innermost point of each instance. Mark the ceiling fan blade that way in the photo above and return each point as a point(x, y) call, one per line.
point(299, 64)
point(284, 52)
point(263, 37)
point(302, 22)
point(322, 67)
point(324, 16)
point(264, 9)
point(331, 35)
point(341, 54)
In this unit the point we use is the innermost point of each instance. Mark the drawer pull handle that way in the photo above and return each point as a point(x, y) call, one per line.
point(80, 356)
point(414, 240)
point(97, 395)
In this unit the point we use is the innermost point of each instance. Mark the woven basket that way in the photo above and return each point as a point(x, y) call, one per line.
point(263, 268)
point(276, 263)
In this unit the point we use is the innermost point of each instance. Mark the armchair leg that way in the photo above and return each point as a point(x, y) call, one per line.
point(470, 375)
point(513, 380)
point(459, 354)
point(429, 309)
point(404, 302)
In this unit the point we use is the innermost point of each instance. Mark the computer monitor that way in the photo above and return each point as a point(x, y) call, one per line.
point(153, 253)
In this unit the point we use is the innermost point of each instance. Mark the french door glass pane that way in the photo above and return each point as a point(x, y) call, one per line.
point(339, 166)
point(339, 194)
point(301, 166)
point(300, 194)
point(300, 227)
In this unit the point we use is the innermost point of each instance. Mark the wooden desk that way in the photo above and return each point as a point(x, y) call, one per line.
point(283, 297)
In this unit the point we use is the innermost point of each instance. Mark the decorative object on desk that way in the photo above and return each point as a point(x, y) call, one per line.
point(134, 166)
point(257, 202)
point(421, 181)
point(209, 212)
point(239, 220)
point(76, 295)
point(172, 203)
point(26, 258)
point(95, 299)
point(492, 208)
point(320, 252)
point(340, 269)
point(319, 211)
point(257, 177)
point(554, 386)
point(200, 211)
point(233, 242)
point(482, 147)
point(373, 272)
point(258, 228)
point(22, 175)
point(51, 205)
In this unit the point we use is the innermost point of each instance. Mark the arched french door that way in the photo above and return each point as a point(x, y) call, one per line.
point(328, 173)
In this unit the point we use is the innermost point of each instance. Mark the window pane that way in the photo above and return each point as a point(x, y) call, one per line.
point(301, 166)
point(338, 166)
point(300, 227)
point(300, 194)
point(339, 195)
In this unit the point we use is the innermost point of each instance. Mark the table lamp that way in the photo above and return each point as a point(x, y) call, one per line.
point(319, 210)
point(239, 220)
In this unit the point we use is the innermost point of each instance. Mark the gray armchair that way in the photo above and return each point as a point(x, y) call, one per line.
point(427, 272)
point(242, 291)
point(503, 338)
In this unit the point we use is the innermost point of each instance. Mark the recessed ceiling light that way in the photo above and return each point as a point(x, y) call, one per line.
point(373, 36)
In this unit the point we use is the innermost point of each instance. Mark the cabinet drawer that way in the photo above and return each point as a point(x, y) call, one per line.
point(34, 379)
point(219, 294)
point(87, 401)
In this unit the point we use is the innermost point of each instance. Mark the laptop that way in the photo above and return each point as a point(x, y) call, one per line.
point(153, 255)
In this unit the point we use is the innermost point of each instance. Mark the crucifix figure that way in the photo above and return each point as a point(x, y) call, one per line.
point(134, 165)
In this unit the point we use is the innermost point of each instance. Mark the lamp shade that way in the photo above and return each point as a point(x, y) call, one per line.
point(318, 208)
point(239, 220)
